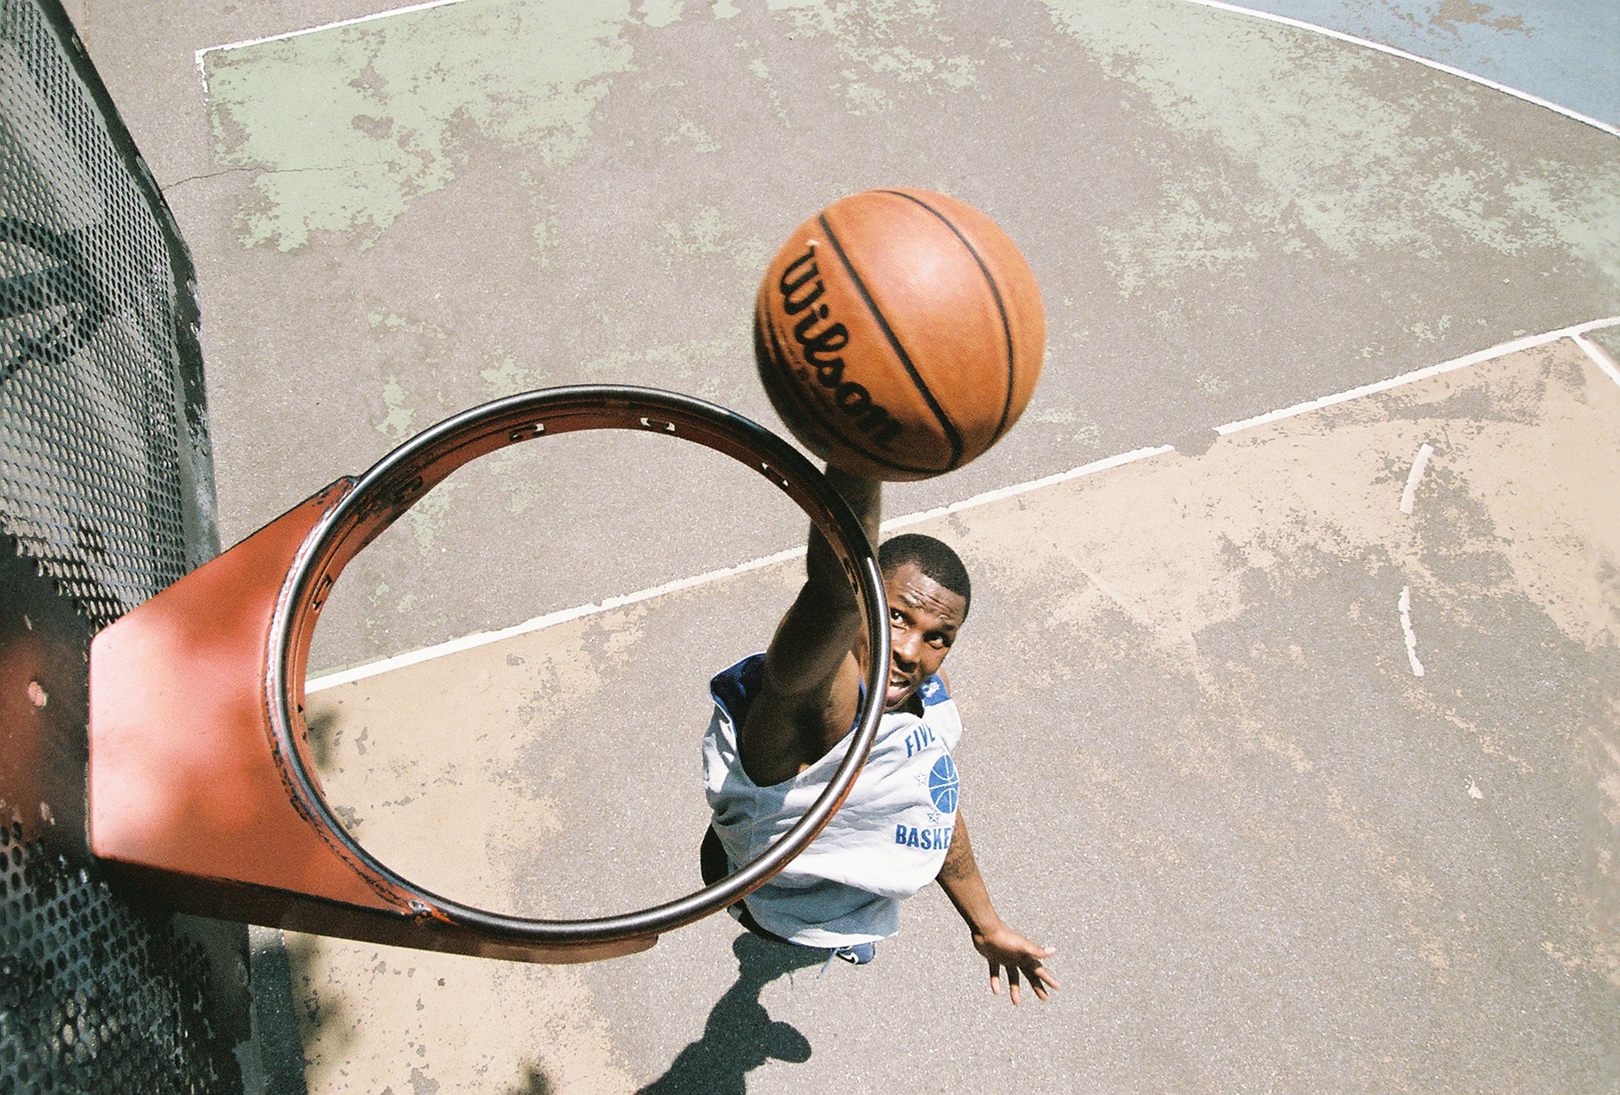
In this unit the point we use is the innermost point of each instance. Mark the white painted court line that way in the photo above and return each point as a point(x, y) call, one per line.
point(483, 638)
point(1600, 357)
point(1527, 343)
point(1405, 605)
point(1219, 4)
point(246, 42)
point(1409, 495)
point(1024, 488)
point(468, 642)
point(1405, 56)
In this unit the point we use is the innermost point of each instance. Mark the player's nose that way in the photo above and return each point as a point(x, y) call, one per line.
point(906, 649)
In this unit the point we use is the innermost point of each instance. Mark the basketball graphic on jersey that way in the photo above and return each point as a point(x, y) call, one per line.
point(942, 784)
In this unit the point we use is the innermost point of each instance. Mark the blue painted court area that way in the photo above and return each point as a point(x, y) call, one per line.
point(1564, 51)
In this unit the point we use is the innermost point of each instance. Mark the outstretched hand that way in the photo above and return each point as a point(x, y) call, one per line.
point(1006, 949)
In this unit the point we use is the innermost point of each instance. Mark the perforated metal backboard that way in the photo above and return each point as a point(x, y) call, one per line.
point(106, 497)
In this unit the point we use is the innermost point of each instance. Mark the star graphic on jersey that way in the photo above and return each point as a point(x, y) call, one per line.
point(933, 817)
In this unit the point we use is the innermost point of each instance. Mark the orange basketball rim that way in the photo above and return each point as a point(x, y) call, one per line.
point(201, 782)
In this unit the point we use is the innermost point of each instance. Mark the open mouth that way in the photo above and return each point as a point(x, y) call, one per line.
point(898, 689)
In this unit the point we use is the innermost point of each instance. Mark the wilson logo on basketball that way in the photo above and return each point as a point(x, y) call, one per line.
point(898, 333)
point(821, 348)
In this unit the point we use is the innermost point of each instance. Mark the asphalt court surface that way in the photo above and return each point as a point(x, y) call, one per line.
point(398, 219)
point(1301, 750)
point(1200, 758)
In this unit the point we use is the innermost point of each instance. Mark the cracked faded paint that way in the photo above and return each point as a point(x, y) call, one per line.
point(1522, 44)
point(345, 127)
point(396, 423)
point(1355, 172)
point(686, 365)
point(881, 38)
point(708, 232)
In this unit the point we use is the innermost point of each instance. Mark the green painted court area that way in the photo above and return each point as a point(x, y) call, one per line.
point(1292, 686)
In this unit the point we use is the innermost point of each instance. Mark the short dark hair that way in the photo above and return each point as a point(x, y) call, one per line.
point(933, 557)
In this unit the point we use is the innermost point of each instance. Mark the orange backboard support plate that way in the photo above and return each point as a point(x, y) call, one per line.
point(189, 796)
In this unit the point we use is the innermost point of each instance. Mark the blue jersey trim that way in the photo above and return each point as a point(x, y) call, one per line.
point(734, 689)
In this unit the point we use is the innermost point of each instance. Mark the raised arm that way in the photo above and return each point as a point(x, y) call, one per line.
point(1002, 947)
point(812, 681)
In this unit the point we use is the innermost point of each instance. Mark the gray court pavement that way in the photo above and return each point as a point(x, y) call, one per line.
point(1204, 762)
point(1306, 763)
point(398, 219)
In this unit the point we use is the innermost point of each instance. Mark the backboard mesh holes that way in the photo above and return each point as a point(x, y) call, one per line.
point(100, 472)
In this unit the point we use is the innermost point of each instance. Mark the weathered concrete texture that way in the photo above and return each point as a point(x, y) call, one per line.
point(1308, 763)
point(398, 219)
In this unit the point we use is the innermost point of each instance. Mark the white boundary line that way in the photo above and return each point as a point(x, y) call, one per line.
point(284, 35)
point(1600, 357)
point(1415, 476)
point(550, 619)
point(483, 638)
point(1527, 343)
point(1299, 24)
point(1003, 493)
point(1404, 604)
point(1394, 51)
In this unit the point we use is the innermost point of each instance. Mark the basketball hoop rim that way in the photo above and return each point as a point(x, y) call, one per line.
point(400, 479)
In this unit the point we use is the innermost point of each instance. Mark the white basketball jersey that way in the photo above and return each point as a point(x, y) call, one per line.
point(885, 843)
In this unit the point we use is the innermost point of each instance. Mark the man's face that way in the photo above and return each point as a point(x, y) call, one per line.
point(924, 617)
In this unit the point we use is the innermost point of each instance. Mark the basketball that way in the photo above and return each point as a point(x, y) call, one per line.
point(899, 333)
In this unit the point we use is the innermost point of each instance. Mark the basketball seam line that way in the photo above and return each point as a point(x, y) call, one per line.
point(813, 412)
point(995, 292)
point(945, 423)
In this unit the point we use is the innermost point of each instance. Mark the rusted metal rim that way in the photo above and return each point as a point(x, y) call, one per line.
point(400, 479)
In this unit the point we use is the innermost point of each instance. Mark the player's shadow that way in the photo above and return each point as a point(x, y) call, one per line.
point(740, 1034)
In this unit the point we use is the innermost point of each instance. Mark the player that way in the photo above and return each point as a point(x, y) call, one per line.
point(775, 740)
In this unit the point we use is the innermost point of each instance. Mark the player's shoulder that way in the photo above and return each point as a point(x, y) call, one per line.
point(736, 687)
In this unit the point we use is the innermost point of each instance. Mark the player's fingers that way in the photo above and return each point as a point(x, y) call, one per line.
point(995, 978)
point(1012, 985)
point(1040, 973)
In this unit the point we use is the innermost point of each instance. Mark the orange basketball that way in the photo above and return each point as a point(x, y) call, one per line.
point(899, 333)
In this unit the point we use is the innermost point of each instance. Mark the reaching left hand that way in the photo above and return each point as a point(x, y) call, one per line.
point(1006, 949)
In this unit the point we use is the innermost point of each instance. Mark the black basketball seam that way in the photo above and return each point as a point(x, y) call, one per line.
point(995, 292)
point(813, 414)
point(945, 423)
point(789, 390)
